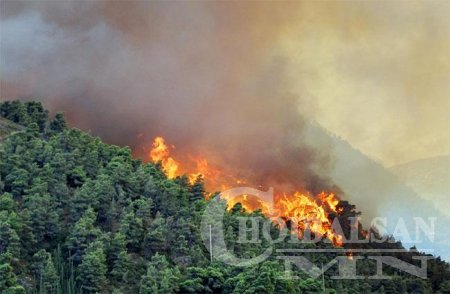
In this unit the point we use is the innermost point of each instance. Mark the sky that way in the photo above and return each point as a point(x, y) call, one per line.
point(376, 74)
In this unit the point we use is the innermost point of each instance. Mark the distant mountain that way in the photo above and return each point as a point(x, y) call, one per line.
point(430, 178)
point(378, 192)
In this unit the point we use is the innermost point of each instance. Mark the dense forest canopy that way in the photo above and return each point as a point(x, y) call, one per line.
point(81, 216)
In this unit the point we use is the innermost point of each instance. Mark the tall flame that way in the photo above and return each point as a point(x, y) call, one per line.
point(303, 211)
point(160, 153)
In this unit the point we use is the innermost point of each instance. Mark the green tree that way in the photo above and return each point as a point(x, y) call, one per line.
point(45, 272)
point(42, 217)
point(16, 182)
point(127, 272)
point(180, 252)
point(161, 278)
point(82, 199)
point(92, 270)
point(58, 124)
point(204, 280)
point(8, 280)
point(121, 269)
point(198, 189)
point(82, 234)
point(156, 237)
point(37, 114)
point(7, 203)
point(117, 244)
point(132, 228)
point(9, 240)
point(15, 111)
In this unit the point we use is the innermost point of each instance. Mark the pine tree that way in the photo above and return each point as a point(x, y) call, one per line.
point(8, 280)
point(156, 238)
point(180, 252)
point(15, 111)
point(41, 216)
point(9, 240)
point(82, 234)
point(143, 210)
point(116, 245)
point(161, 278)
point(82, 199)
point(58, 124)
point(45, 272)
point(121, 268)
point(127, 271)
point(37, 114)
point(16, 181)
point(132, 228)
point(50, 278)
point(92, 270)
point(198, 189)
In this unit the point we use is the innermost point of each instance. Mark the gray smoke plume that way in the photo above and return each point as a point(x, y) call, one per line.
point(205, 76)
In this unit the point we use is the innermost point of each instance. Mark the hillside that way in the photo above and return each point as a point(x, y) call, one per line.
point(378, 192)
point(430, 177)
point(81, 216)
point(7, 127)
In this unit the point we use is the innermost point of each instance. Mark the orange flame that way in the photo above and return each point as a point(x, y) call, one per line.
point(202, 170)
point(302, 210)
point(310, 213)
point(160, 153)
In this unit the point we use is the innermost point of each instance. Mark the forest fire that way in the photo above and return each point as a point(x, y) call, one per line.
point(160, 152)
point(305, 212)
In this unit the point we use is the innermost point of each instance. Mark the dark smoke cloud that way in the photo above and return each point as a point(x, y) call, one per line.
point(205, 76)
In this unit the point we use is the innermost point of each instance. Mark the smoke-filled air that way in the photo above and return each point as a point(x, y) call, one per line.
point(261, 93)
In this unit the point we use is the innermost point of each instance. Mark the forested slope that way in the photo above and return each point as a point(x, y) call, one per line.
point(7, 127)
point(81, 216)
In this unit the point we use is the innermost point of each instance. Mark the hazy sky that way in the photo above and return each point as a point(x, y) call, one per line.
point(375, 73)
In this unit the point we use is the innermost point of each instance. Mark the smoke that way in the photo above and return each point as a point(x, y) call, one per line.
point(206, 76)
point(235, 81)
